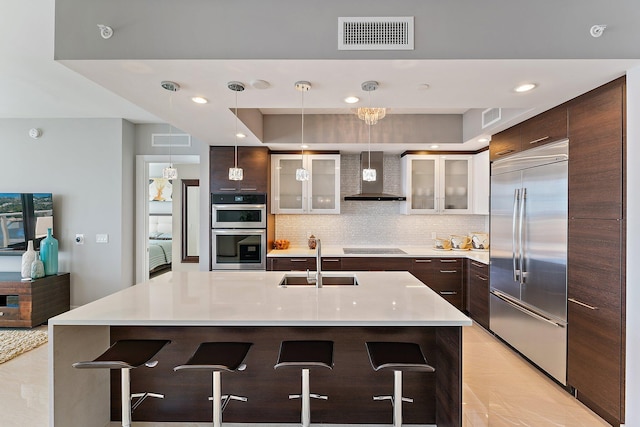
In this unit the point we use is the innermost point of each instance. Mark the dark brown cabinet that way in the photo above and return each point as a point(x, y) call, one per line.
point(596, 153)
point(595, 315)
point(550, 126)
point(477, 292)
point(291, 264)
point(31, 303)
point(253, 160)
point(443, 275)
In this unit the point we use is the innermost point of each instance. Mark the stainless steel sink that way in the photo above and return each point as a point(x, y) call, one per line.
point(296, 279)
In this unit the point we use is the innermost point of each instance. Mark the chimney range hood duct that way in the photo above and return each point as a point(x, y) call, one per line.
point(372, 190)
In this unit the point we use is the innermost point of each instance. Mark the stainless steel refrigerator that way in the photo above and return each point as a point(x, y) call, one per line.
point(528, 296)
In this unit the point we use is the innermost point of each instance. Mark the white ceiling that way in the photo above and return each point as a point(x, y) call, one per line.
point(37, 86)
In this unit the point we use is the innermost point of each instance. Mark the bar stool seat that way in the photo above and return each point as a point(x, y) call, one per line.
point(217, 357)
point(305, 355)
point(399, 357)
point(126, 355)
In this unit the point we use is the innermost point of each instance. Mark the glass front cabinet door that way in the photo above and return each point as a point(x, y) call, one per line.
point(436, 184)
point(319, 195)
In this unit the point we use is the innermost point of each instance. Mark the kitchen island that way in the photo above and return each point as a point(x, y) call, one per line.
point(191, 307)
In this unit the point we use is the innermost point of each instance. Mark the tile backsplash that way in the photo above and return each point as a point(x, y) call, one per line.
point(372, 222)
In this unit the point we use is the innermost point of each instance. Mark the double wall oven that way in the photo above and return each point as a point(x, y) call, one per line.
point(238, 231)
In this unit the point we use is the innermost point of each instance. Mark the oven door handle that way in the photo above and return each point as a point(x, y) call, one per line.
point(243, 231)
point(239, 206)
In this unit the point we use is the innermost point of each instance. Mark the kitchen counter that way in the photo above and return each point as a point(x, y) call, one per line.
point(191, 307)
point(411, 252)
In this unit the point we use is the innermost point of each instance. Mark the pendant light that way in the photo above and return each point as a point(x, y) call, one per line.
point(302, 174)
point(170, 172)
point(371, 117)
point(235, 173)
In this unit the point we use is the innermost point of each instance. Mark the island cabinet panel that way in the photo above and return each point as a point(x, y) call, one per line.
point(254, 162)
point(350, 385)
point(443, 275)
point(596, 150)
point(595, 366)
point(31, 303)
point(292, 264)
point(544, 128)
point(478, 292)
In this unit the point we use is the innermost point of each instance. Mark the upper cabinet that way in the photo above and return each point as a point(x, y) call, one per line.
point(319, 195)
point(481, 183)
point(254, 162)
point(546, 127)
point(436, 184)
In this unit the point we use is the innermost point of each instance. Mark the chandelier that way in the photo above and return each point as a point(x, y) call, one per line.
point(371, 115)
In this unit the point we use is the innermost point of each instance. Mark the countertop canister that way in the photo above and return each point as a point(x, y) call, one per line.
point(49, 254)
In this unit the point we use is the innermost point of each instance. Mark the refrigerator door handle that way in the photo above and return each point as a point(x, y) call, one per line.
point(515, 304)
point(522, 255)
point(514, 241)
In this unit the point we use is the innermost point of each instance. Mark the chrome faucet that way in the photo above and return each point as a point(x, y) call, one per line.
point(317, 280)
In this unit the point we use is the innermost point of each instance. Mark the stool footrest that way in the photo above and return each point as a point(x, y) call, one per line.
point(141, 397)
point(226, 398)
point(311, 395)
point(404, 399)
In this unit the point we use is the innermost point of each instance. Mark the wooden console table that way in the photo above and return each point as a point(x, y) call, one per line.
point(31, 303)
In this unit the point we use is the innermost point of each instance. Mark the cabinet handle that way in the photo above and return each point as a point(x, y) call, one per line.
point(1, 313)
point(448, 293)
point(330, 260)
point(448, 260)
point(448, 271)
point(298, 260)
point(535, 141)
point(226, 189)
point(248, 189)
point(421, 260)
point(503, 152)
point(477, 264)
point(580, 303)
point(484, 279)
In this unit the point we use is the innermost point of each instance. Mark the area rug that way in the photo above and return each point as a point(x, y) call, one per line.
point(14, 342)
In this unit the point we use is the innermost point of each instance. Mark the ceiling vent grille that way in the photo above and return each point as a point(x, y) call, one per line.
point(174, 140)
point(491, 116)
point(375, 33)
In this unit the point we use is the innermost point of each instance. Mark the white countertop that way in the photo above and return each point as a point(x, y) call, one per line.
point(411, 251)
point(255, 299)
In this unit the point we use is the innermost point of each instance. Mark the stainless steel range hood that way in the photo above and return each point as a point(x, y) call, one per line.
point(373, 190)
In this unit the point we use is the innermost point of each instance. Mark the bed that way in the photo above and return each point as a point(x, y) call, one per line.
point(160, 242)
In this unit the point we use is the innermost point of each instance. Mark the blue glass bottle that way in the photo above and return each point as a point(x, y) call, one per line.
point(49, 254)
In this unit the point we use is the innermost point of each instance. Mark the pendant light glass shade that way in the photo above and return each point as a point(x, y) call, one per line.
point(369, 175)
point(301, 173)
point(236, 173)
point(170, 172)
point(371, 115)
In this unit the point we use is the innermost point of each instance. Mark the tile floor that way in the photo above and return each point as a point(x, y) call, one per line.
point(500, 389)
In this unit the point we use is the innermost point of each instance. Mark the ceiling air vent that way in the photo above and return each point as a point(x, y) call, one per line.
point(375, 33)
point(174, 140)
point(490, 116)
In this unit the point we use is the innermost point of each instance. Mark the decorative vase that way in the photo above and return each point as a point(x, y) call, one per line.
point(27, 259)
point(312, 242)
point(37, 267)
point(49, 254)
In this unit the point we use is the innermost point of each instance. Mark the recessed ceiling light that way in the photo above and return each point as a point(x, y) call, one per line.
point(351, 99)
point(423, 86)
point(199, 100)
point(435, 146)
point(304, 146)
point(483, 140)
point(240, 135)
point(525, 87)
point(260, 84)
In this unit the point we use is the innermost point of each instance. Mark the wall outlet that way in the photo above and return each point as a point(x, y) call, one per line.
point(79, 239)
point(102, 238)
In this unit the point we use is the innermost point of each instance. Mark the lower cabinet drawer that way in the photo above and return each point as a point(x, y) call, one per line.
point(292, 264)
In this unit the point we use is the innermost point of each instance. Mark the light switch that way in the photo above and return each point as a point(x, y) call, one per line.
point(102, 238)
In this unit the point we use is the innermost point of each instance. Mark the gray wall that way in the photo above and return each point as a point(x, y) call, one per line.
point(88, 166)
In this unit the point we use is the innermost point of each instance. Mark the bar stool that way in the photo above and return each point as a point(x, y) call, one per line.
point(126, 355)
point(305, 355)
point(399, 357)
point(217, 357)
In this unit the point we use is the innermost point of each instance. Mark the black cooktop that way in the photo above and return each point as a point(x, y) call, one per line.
point(373, 251)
